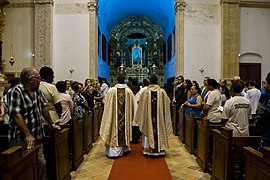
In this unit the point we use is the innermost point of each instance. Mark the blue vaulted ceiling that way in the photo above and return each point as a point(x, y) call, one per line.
point(111, 12)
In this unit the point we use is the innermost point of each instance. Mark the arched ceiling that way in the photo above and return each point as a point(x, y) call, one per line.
point(136, 25)
point(112, 12)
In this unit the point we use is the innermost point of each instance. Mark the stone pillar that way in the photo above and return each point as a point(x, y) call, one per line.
point(43, 33)
point(2, 25)
point(230, 38)
point(93, 39)
point(179, 36)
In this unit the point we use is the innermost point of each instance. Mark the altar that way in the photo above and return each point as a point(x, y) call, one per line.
point(137, 72)
point(137, 60)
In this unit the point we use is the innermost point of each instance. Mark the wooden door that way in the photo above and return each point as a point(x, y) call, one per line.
point(251, 71)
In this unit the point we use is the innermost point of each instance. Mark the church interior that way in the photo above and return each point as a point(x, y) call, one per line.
point(100, 39)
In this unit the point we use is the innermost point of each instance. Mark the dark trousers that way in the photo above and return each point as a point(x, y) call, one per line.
point(135, 134)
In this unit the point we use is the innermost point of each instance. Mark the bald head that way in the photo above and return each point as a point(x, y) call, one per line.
point(28, 73)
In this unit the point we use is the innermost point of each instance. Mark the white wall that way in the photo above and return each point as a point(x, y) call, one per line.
point(71, 41)
point(255, 37)
point(202, 40)
point(19, 21)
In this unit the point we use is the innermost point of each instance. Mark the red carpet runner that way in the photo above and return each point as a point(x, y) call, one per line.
point(134, 165)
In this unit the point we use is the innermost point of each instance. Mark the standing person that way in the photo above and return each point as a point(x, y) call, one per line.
point(80, 103)
point(66, 103)
point(135, 128)
point(210, 109)
point(50, 92)
point(115, 129)
point(154, 119)
point(204, 88)
point(179, 91)
point(104, 89)
point(225, 94)
point(26, 106)
point(262, 122)
point(194, 103)
point(237, 111)
point(253, 95)
point(98, 95)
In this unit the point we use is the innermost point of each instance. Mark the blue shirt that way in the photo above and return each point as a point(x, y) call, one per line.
point(197, 111)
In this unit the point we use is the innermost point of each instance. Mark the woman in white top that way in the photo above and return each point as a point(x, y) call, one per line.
point(66, 103)
point(210, 109)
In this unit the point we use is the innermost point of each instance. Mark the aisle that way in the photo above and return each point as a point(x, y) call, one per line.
point(136, 166)
point(182, 165)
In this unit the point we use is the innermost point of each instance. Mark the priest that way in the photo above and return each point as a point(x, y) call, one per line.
point(154, 119)
point(116, 123)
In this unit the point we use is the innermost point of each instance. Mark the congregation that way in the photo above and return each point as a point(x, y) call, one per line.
point(35, 104)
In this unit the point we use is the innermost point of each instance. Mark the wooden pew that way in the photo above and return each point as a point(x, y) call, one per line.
point(182, 123)
point(56, 152)
point(257, 164)
point(228, 151)
point(18, 164)
point(96, 125)
point(175, 119)
point(4, 137)
point(100, 113)
point(77, 142)
point(190, 133)
point(88, 128)
point(205, 143)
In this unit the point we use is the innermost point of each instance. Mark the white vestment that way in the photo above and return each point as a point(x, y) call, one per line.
point(109, 123)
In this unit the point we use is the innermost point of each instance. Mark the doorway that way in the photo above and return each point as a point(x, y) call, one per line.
point(251, 71)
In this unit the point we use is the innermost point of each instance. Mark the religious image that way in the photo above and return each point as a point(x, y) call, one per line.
point(137, 55)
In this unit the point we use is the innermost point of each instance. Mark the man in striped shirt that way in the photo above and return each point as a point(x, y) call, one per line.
point(26, 105)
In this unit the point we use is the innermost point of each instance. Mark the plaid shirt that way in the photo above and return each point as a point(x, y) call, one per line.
point(19, 101)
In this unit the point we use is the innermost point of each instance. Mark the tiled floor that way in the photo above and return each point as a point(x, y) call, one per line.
point(182, 165)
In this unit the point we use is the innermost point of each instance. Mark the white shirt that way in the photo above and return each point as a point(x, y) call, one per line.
point(238, 112)
point(214, 101)
point(253, 95)
point(104, 89)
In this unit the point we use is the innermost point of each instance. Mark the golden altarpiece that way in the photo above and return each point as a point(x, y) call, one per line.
point(137, 48)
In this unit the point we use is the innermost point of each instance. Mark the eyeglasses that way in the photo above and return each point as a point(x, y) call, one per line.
point(34, 77)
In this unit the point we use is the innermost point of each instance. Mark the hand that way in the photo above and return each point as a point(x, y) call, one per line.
point(30, 141)
point(57, 127)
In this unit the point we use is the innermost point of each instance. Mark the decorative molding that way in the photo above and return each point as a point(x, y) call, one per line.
point(43, 2)
point(230, 2)
point(250, 54)
point(254, 4)
point(20, 5)
point(2, 23)
point(142, 25)
point(92, 6)
point(179, 6)
point(78, 8)
point(201, 14)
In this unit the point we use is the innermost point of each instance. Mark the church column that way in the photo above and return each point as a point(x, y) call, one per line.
point(43, 32)
point(230, 38)
point(93, 39)
point(2, 25)
point(179, 36)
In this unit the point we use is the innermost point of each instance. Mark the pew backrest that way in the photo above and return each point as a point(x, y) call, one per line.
point(181, 124)
point(4, 128)
point(204, 142)
point(257, 163)
point(228, 150)
point(18, 164)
